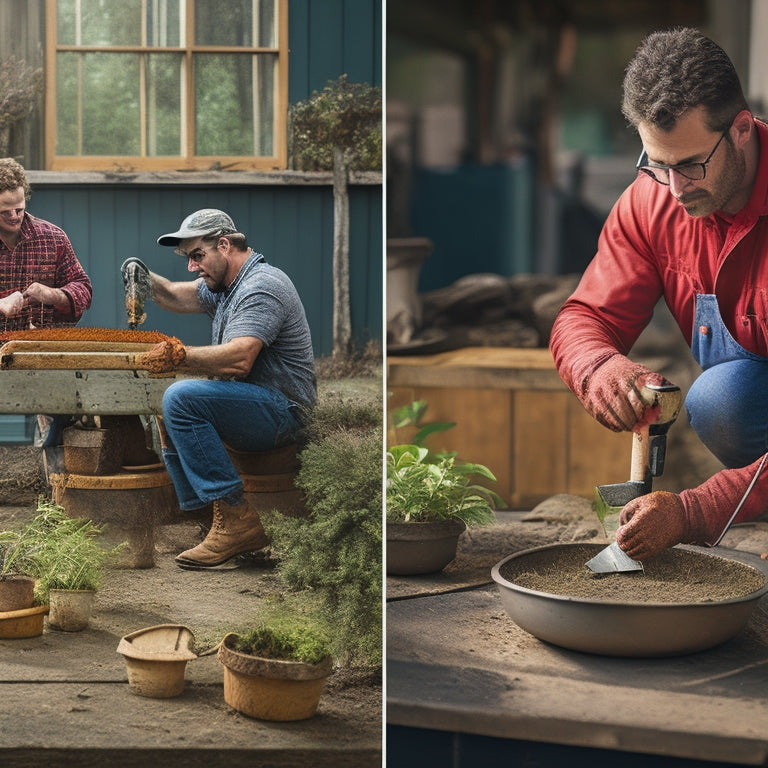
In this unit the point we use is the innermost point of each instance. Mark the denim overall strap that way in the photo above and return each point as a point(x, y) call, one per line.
point(727, 404)
point(711, 341)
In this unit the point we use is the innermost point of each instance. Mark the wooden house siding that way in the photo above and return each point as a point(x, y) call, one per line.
point(290, 223)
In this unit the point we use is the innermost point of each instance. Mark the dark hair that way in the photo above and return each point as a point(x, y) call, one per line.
point(12, 177)
point(238, 239)
point(678, 70)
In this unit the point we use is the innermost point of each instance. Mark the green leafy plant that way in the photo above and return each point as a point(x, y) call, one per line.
point(420, 489)
point(285, 637)
point(412, 415)
point(61, 552)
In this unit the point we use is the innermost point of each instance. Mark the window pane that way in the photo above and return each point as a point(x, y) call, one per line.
point(248, 23)
point(99, 23)
point(67, 119)
point(234, 97)
point(164, 22)
point(118, 22)
point(98, 104)
point(164, 104)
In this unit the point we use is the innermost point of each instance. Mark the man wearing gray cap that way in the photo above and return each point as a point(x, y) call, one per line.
point(262, 368)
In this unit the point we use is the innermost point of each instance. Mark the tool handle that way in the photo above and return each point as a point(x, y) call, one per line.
point(640, 469)
point(669, 398)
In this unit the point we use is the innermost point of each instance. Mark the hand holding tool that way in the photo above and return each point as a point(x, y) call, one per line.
point(648, 455)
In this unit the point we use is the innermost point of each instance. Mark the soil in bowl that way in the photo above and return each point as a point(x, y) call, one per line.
point(675, 576)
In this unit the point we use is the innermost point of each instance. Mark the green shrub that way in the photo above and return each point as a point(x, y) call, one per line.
point(345, 115)
point(335, 554)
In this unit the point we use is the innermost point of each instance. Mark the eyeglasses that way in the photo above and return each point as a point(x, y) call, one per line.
point(692, 171)
point(197, 255)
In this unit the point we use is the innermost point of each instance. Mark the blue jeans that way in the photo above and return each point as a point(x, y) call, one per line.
point(201, 416)
point(727, 405)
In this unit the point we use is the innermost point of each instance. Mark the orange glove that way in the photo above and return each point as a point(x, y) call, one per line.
point(164, 357)
point(652, 523)
point(611, 394)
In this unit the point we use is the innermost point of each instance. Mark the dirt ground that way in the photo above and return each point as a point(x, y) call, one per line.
point(213, 602)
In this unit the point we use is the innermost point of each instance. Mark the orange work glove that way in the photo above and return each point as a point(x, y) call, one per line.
point(611, 394)
point(164, 357)
point(652, 523)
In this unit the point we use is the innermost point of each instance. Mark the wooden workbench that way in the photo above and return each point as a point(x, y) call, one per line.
point(76, 392)
point(513, 414)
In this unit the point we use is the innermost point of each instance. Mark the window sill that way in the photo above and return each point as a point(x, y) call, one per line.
point(198, 178)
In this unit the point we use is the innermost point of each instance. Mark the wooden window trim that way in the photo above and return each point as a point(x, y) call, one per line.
point(189, 162)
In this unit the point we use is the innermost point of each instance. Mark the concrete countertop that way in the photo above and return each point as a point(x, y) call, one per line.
point(457, 663)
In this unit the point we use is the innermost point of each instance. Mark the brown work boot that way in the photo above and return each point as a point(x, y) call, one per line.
point(234, 530)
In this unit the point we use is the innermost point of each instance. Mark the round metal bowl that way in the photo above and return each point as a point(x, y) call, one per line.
point(621, 629)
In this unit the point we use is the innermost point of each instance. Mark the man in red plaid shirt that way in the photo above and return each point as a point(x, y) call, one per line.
point(42, 283)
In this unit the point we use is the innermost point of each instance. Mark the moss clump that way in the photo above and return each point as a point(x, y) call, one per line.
point(285, 638)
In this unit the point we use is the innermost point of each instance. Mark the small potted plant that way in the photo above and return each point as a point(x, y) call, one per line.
point(22, 607)
point(16, 568)
point(70, 564)
point(431, 499)
point(276, 670)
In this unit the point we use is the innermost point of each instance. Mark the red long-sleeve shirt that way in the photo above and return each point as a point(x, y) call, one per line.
point(651, 247)
point(44, 255)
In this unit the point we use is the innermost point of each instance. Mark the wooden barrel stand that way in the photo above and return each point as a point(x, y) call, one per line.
point(269, 479)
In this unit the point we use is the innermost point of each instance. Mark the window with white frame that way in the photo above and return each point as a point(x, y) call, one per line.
point(162, 84)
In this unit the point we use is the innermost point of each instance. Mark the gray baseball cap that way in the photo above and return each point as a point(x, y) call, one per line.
point(208, 221)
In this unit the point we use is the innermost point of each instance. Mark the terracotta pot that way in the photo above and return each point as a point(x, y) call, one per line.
point(70, 608)
point(156, 659)
point(271, 689)
point(27, 622)
point(416, 548)
point(16, 592)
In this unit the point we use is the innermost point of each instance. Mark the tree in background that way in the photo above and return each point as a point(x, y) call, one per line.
point(20, 86)
point(339, 129)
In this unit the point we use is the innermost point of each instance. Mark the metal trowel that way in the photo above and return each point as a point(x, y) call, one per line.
point(649, 445)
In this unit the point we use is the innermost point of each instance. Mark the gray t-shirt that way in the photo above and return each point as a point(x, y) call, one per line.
point(263, 302)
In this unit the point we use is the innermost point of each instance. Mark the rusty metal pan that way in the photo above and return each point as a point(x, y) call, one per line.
point(623, 629)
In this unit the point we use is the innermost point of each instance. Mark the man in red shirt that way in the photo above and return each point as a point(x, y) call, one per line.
point(41, 280)
point(42, 283)
point(693, 228)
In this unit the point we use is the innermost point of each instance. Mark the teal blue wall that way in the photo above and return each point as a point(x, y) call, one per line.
point(291, 225)
point(328, 38)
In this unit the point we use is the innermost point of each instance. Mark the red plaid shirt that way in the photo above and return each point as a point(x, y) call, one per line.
point(43, 255)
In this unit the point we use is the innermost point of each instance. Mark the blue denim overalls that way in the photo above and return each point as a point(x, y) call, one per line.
point(727, 404)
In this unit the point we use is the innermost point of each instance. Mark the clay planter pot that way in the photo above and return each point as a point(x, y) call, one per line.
point(416, 548)
point(27, 622)
point(271, 689)
point(156, 659)
point(16, 592)
point(70, 608)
